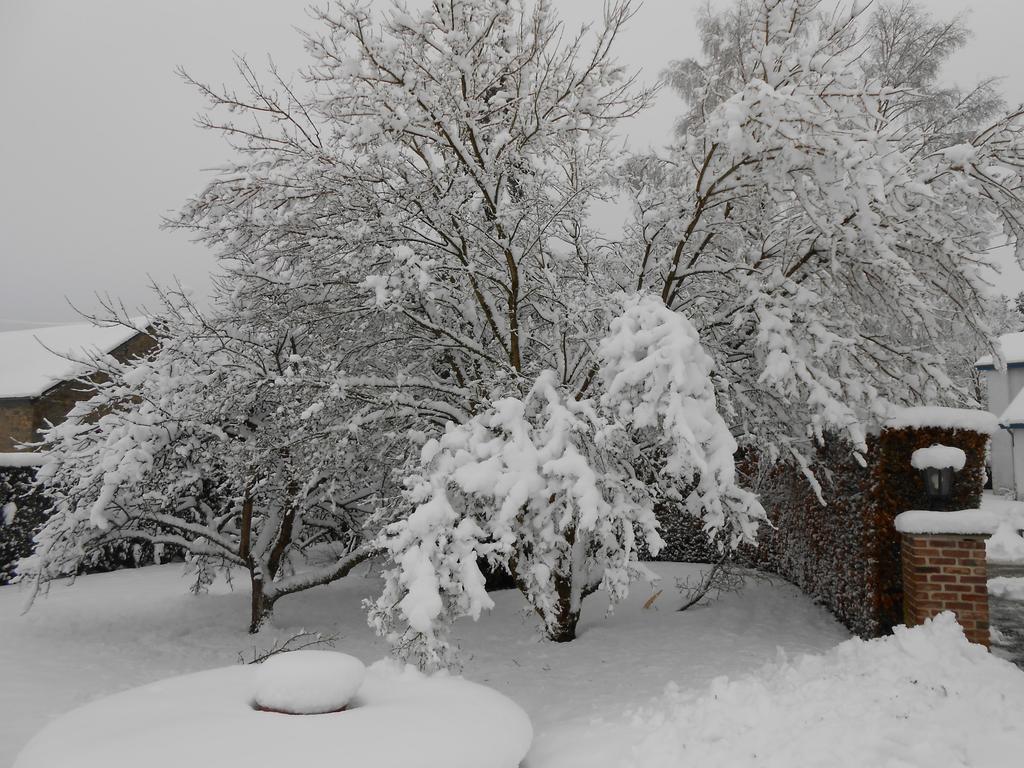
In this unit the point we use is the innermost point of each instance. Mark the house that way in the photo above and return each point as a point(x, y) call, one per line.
point(1005, 391)
point(37, 372)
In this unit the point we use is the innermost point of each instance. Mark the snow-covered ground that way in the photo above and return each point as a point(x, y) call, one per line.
point(114, 631)
point(641, 688)
point(1005, 546)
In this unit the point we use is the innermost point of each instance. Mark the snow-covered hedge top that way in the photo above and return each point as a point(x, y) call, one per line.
point(22, 459)
point(964, 521)
point(939, 457)
point(947, 418)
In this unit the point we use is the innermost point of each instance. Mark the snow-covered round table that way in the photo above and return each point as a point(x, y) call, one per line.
point(398, 719)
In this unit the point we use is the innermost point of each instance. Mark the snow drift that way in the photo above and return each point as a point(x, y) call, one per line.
point(922, 697)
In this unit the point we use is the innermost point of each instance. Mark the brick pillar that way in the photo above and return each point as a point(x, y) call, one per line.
point(946, 572)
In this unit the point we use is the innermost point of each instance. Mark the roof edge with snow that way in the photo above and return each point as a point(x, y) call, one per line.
point(22, 459)
point(38, 359)
point(1011, 347)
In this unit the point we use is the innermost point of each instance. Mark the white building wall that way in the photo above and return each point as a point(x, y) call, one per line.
point(1015, 376)
point(997, 389)
point(1002, 461)
point(1007, 451)
point(1017, 466)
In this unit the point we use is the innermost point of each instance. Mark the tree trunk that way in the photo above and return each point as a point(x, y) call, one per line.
point(262, 606)
point(561, 628)
point(564, 630)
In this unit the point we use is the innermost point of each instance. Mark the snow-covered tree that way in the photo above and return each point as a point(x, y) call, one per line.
point(407, 252)
point(901, 46)
point(907, 48)
point(222, 442)
point(817, 238)
point(443, 162)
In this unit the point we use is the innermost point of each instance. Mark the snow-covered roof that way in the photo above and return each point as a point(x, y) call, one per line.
point(947, 418)
point(31, 360)
point(1014, 413)
point(22, 459)
point(1012, 347)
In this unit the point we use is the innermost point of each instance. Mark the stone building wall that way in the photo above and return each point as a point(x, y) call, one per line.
point(17, 423)
point(21, 419)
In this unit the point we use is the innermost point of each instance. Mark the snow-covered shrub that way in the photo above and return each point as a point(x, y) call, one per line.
point(657, 381)
point(545, 486)
point(539, 485)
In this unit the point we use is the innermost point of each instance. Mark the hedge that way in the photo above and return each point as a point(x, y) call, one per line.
point(24, 509)
point(844, 554)
point(22, 512)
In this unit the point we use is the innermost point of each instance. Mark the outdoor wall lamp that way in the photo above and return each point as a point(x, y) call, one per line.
point(938, 483)
point(937, 465)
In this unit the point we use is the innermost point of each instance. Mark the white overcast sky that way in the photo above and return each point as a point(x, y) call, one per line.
point(97, 140)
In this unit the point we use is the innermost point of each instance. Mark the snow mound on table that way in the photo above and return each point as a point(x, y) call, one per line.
point(400, 718)
point(308, 682)
point(922, 697)
point(938, 457)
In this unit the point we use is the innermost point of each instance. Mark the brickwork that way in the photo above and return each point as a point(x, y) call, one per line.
point(946, 572)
